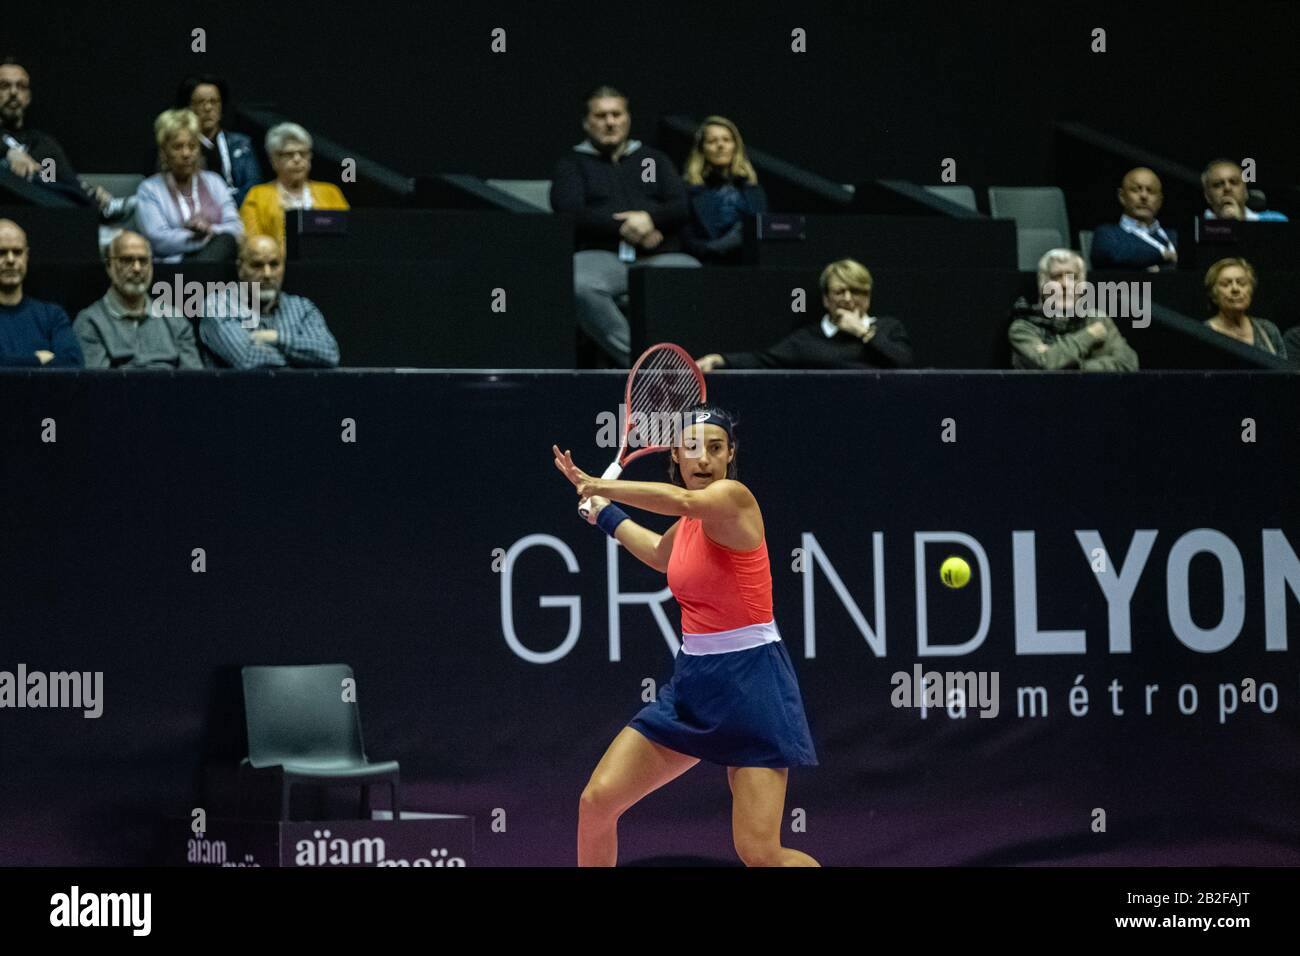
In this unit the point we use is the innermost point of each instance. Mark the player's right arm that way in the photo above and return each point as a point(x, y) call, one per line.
point(651, 548)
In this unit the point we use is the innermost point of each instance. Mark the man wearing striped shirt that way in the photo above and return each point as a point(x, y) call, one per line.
point(291, 331)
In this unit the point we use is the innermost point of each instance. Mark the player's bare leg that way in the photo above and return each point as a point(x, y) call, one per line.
point(631, 768)
point(757, 810)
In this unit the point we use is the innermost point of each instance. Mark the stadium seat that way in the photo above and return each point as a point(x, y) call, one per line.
point(961, 195)
point(301, 730)
point(1032, 243)
point(123, 186)
point(1038, 211)
point(1085, 246)
point(535, 192)
point(119, 184)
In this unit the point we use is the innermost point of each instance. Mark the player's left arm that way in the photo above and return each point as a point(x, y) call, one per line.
point(724, 498)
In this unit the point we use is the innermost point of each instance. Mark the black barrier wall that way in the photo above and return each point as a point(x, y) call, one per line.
point(1134, 594)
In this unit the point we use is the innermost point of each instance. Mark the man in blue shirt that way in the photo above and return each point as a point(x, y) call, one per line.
point(1139, 241)
point(32, 333)
point(289, 330)
point(1225, 194)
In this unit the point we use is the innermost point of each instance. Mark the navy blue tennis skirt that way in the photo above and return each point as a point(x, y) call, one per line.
point(737, 709)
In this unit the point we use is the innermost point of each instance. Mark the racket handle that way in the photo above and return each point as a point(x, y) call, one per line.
point(584, 506)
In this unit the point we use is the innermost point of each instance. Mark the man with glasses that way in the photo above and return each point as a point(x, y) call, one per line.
point(32, 333)
point(26, 150)
point(847, 337)
point(124, 329)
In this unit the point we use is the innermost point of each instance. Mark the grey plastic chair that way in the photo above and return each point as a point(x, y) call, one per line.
point(961, 195)
point(1032, 243)
point(118, 184)
point(301, 731)
point(535, 192)
point(1041, 220)
point(1032, 207)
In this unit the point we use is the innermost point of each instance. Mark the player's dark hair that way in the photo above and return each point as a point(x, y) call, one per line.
point(715, 411)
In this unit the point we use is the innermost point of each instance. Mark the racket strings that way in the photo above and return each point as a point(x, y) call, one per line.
point(664, 386)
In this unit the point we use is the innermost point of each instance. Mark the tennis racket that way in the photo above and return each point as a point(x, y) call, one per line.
point(665, 381)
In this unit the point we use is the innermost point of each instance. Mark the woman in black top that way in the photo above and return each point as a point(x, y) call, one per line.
point(722, 189)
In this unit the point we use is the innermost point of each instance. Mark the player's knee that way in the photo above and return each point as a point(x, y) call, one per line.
point(599, 799)
point(757, 852)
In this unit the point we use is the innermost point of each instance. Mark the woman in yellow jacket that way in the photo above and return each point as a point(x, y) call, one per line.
point(289, 147)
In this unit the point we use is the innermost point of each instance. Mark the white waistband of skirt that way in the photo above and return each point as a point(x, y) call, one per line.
point(737, 639)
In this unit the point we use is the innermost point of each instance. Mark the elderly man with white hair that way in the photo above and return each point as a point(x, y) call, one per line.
point(1052, 335)
point(289, 148)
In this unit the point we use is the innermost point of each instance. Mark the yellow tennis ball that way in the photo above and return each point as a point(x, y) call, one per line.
point(954, 572)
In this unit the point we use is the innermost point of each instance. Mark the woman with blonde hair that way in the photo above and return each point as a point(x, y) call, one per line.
point(1230, 286)
point(722, 189)
point(186, 212)
point(847, 337)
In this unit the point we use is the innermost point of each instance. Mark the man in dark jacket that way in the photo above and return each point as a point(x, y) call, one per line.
point(35, 155)
point(228, 154)
point(628, 204)
point(847, 337)
point(1138, 241)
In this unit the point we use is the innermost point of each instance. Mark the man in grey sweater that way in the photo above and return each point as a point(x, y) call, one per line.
point(122, 329)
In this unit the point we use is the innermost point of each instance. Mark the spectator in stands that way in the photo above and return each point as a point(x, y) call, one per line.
point(722, 189)
point(184, 211)
point(32, 333)
point(1225, 194)
point(847, 337)
point(629, 205)
point(1230, 286)
point(27, 149)
point(1139, 241)
point(125, 329)
point(230, 155)
point(290, 331)
point(1051, 335)
point(289, 147)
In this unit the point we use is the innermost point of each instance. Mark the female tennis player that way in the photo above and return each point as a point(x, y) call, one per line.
point(733, 699)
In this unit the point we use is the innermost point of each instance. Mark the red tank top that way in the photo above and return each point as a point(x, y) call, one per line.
point(718, 588)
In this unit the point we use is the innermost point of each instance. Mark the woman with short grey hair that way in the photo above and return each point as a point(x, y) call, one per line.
point(289, 147)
